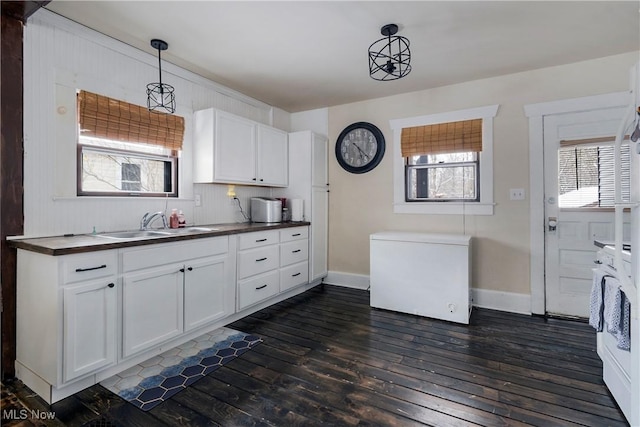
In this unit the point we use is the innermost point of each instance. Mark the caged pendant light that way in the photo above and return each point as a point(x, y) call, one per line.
point(389, 57)
point(160, 95)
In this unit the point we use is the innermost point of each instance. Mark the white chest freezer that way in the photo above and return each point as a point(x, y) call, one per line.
point(422, 274)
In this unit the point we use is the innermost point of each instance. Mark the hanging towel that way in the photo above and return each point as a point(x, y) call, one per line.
point(624, 336)
point(612, 304)
point(596, 307)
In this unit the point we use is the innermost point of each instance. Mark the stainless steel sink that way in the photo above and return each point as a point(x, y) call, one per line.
point(122, 235)
point(190, 230)
point(149, 234)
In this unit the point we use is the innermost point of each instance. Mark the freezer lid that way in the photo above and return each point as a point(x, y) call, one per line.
point(409, 236)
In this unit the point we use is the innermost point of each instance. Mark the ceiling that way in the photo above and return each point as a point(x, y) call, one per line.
point(302, 55)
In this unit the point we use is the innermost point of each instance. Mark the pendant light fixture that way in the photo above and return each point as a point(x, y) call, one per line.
point(160, 95)
point(389, 57)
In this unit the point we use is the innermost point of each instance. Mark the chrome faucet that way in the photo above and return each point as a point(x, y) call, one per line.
point(148, 218)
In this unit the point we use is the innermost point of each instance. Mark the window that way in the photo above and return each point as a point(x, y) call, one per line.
point(443, 177)
point(443, 163)
point(125, 150)
point(586, 176)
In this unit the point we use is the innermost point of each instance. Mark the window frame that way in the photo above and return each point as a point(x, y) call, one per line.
point(485, 206)
point(174, 175)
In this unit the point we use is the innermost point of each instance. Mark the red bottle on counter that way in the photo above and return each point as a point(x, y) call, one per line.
point(173, 219)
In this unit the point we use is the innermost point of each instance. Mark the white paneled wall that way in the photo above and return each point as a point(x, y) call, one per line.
point(61, 56)
point(217, 207)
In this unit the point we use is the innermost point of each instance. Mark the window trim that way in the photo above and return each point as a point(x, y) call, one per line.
point(486, 203)
point(80, 193)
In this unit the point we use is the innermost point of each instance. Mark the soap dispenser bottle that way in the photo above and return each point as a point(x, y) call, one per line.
point(173, 219)
point(182, 222)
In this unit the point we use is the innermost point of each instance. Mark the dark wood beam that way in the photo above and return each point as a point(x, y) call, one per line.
point(21, 10)
point(13, 17)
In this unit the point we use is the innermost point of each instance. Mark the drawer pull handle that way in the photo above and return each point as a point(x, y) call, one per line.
point(296, 251)
point(261, 240)
point(261, 287)
point(261, 259)
point(597, 261)
point(111, 285)
point(80, 270)
point(294, 275)
point(295, 235)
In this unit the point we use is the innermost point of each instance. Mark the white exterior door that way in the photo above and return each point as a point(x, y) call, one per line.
point(573, 217)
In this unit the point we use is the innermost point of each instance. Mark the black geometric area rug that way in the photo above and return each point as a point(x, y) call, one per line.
point(157, 379)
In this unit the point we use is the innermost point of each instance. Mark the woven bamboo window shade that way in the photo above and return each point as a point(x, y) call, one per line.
point(452, 137)
point(104, 117)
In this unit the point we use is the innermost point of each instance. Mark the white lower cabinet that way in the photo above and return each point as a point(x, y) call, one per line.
point(66, 318)
point(84, 317)
point(207, 294)
point(89, 328)
point(258, 288)
point(160, 301)
point(152, 307)
point(270, 262)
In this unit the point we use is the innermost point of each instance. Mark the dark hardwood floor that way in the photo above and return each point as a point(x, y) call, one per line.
point(329, 359)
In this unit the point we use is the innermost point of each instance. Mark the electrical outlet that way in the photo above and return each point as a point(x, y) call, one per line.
point(516, 194)
point(198, 200)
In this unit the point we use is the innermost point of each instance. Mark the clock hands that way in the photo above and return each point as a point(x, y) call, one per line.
point(362, 153)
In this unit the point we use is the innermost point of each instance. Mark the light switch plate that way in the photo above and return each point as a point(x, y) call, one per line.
point(516, 194)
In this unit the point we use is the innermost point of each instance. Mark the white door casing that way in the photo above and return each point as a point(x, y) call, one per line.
point(538, 214)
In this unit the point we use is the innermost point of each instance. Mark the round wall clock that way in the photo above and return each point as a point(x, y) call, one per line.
point(360, 147)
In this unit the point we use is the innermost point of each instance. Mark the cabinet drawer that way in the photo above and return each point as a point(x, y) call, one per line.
point(258, 288)
point(259, 260)
point(168, 253)
point(294, 275)
point(89, 266)
point(296, 233)
point(257, 239)
point(293, 252)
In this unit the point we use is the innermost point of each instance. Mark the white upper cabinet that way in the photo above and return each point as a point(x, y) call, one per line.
point(232, 149)
point(273, 154)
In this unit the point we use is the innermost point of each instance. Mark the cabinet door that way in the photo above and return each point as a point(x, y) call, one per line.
point(273, 161)
point(319, 164)
point(319, 229)
point(208, 291)
point(152, 307)
point(89, 313)
point(234, 149)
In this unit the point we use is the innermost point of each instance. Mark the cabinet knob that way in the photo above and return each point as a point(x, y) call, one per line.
point(190, 268)
point(261, 179)
point(253, 179)
point(111, 285)
point(182, 270)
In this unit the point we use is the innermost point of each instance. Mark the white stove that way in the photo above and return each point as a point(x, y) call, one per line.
point(605, 257)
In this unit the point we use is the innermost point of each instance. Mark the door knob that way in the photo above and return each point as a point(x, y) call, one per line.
point(553, 223)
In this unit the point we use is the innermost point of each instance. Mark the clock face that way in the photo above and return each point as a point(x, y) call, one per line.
point(360, 147)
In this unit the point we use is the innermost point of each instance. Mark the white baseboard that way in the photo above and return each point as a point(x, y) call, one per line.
point(503, 301)
point(348, 280)
point(484, 298)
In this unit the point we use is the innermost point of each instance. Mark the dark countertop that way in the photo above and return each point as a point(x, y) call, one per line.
point(82, 243)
